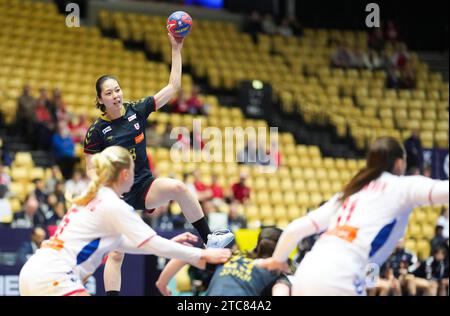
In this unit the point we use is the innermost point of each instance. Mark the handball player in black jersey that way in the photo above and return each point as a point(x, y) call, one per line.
point(123, 124)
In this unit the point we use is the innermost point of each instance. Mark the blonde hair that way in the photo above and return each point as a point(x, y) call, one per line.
point(107, 166)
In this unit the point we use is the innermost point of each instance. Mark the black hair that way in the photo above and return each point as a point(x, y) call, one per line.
point(98, 88)
point(267, 241)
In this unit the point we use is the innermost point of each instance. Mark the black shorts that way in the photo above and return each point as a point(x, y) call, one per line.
point(136, 197)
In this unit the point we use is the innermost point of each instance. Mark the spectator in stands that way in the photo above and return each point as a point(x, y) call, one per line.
point(408, 78)
point(249, 154)
point(58, 107)
point(25, 112)
point(443, 221)
point(391, 32)
point(31, 216)
point(152, 138)
point(386, 284)
point(432, 273)
point(5, 155)
point(438, 241)
point(78, 128)
point(413, 171)
point(275, 154)
point(216, 189)
point(48, 208)
point(359, 59)
point(64, 150)
point(235, 220)
point(285, 28)
point(5, 179)
point(295, 25)
point(401, 58)
point(44, 121)
point(56, 176)
point(60, 190)
point(76, 185)
point(165, 220)
point(268, 25)
point(342, 58)
point(373, 61)
point(376, 39)
point(254, 25)
point(196, 140)
point(166, 140)
point(195, 105)
point(39, 191)
point(241, 192)
point(180, 104)
point(28, 248)
point(403, 264)
point(58, 213)
point(414, 151)
point(203, 191)
point(6, 214)
point(427, 172)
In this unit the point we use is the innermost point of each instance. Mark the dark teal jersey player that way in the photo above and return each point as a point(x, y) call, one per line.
point(127, 131)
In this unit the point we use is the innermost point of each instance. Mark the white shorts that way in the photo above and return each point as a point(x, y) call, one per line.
point(321, 275)
point(45, 274)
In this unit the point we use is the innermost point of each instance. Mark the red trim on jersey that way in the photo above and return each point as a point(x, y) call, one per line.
point(145, 241)
point(75, 292)
point(429, 194)
point(90, 145)
point(316, 226)
point(350, 212)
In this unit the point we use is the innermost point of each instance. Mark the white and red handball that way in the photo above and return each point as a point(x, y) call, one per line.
point(179, 24)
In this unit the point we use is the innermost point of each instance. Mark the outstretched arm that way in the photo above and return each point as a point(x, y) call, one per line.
point(159, 246)
point(171, 90)
point(313, 223)
point(169, 271)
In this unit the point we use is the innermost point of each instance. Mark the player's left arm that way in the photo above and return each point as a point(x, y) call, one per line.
point(170, 91)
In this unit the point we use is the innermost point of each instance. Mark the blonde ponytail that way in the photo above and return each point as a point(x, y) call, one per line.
point(107, 166)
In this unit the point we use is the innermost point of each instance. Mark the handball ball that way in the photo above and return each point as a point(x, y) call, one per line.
point(179, 24)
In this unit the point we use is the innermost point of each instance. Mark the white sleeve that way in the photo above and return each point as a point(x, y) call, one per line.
point(314, 222)
point(125, 221)
point(425, 191)
point(162, 247)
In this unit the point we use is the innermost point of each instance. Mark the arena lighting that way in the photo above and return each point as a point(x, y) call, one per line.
point(257, 84)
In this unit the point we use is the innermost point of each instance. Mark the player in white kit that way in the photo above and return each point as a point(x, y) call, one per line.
point(361, 225)
point(98, 222)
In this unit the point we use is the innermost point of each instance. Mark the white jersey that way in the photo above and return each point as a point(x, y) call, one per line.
point(365, 228)
point(87, 233)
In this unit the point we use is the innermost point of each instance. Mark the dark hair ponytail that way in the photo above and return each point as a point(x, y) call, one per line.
point(99, 87)
point(381, 157)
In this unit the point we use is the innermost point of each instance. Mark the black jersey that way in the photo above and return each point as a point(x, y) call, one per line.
point(240, 277)
point(127, 131)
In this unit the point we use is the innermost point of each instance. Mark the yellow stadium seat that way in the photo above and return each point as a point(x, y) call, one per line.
point(23, 159)
point(423, 249)
point(410, 244)
point(428, 231)
point(182, 280)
